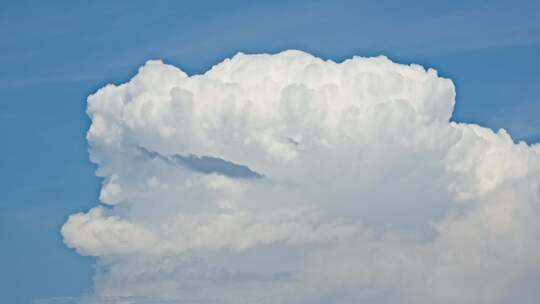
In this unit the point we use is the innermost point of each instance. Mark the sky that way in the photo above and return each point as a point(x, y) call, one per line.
point(53, 55)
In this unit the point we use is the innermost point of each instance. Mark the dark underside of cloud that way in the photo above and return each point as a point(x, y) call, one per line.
point(205, 164)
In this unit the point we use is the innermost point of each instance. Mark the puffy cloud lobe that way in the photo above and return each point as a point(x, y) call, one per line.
point(286, 178)
point(104, 234)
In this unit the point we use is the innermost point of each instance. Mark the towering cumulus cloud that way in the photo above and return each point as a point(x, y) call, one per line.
point(289, 179)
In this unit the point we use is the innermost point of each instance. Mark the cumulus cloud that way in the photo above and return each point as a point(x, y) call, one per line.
point(289, 179)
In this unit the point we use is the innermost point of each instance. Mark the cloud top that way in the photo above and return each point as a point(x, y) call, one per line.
point(287, 178)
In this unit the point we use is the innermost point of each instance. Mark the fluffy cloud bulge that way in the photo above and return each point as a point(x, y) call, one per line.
point(286, 178)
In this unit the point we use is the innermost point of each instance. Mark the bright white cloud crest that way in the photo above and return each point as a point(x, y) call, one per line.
point(288, 179)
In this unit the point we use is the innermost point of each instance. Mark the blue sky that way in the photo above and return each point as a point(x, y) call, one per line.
point(53, 54)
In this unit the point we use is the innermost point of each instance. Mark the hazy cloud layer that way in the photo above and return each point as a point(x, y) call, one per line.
point(288, 179)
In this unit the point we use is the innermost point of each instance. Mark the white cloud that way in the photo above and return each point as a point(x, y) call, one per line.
point(350, 184)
